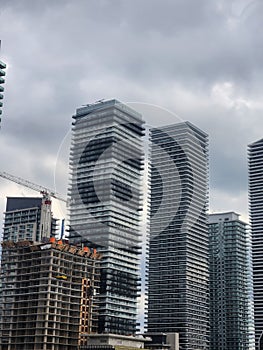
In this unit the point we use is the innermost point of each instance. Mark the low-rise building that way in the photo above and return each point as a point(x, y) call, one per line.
point(113, 342)
point(161, 341)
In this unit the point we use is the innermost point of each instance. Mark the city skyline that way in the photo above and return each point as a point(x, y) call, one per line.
point(188, 148)
point(166, 61)
point(174, 62)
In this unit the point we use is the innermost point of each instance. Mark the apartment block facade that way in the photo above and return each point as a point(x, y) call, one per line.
point(231, 321)
point(28, 218)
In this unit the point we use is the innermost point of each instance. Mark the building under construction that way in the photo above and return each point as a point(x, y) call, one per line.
point(48, 295)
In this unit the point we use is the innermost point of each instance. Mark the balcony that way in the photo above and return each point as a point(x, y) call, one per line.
point(2, 65)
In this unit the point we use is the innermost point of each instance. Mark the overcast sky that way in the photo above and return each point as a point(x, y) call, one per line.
point(201, 60)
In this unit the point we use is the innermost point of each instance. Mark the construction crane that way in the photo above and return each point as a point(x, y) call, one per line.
point(46, 213)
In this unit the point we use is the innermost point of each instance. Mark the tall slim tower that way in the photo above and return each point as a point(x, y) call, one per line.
point(255, 166)
point(2, 81)
point(178, 250)
point(105, 196)
point(230, 283)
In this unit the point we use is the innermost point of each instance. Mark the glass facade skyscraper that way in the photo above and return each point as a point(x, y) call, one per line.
point(230, 283)
point(255, 165)
point(105, 204)
point(178, 247)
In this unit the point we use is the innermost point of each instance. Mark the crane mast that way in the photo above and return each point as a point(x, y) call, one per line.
point(46, 213)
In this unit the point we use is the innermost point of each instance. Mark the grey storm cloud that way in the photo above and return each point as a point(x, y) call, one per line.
point(199, 59)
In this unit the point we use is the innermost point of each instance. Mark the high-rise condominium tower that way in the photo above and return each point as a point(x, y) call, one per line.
point(178, 251)
point(255, 164)
point(105, 197)
point(230, 283)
